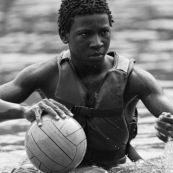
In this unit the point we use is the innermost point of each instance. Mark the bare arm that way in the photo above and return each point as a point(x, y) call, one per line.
point(21, 87)
point(10, 111)
point(146, 87)
point(17, 91)
point(41, 76)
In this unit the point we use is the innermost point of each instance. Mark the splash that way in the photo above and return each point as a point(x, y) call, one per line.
point(162, 164)
point(155, 165)
point(168, 154)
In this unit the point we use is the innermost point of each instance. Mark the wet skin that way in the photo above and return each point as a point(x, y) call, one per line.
point(88, 40)
point(9, 110)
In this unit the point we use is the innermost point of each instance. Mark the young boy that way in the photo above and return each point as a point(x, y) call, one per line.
point(101, 89)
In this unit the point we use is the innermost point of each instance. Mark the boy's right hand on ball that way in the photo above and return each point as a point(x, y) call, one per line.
point(54, 108)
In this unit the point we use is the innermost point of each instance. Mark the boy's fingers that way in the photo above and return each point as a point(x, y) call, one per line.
point(60, 106)
point(38, 113)
point(162, 137)
point(49, 110)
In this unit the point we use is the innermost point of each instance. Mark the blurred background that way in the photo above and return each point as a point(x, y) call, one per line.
point(143, 30)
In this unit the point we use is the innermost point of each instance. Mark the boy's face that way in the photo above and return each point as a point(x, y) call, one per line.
point(89, 38)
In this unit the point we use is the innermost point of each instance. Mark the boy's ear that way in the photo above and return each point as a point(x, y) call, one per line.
point(64, 37)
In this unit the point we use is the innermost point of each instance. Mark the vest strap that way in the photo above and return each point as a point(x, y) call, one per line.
point(90, 112)
point(133, 128)
point(81, 110)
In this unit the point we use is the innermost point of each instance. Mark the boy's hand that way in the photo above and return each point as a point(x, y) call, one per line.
point(54, 108)
point(164, 126)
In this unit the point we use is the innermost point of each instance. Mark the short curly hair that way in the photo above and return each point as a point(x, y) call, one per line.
point(71, 8)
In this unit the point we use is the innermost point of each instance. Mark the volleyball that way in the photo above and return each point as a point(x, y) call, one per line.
point(58, 146)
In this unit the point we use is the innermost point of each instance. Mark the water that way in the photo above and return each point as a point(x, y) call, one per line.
point(149, 166)
point(162, 164)
point(169, 156)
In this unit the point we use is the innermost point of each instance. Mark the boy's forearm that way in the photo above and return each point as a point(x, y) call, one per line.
point(9, 111)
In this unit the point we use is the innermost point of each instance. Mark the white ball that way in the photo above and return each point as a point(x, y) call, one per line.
point(58, 146)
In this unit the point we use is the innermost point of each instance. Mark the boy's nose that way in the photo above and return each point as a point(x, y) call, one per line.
point(96, 42)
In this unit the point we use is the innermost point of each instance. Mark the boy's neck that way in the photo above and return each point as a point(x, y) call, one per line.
point(94, 69)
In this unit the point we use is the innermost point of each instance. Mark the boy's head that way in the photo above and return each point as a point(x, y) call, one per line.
point(72, 8)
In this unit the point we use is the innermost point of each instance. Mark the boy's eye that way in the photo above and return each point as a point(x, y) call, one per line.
point(106, 32)
point(84, 34)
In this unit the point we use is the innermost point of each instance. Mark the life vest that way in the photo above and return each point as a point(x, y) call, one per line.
point(104, 122)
